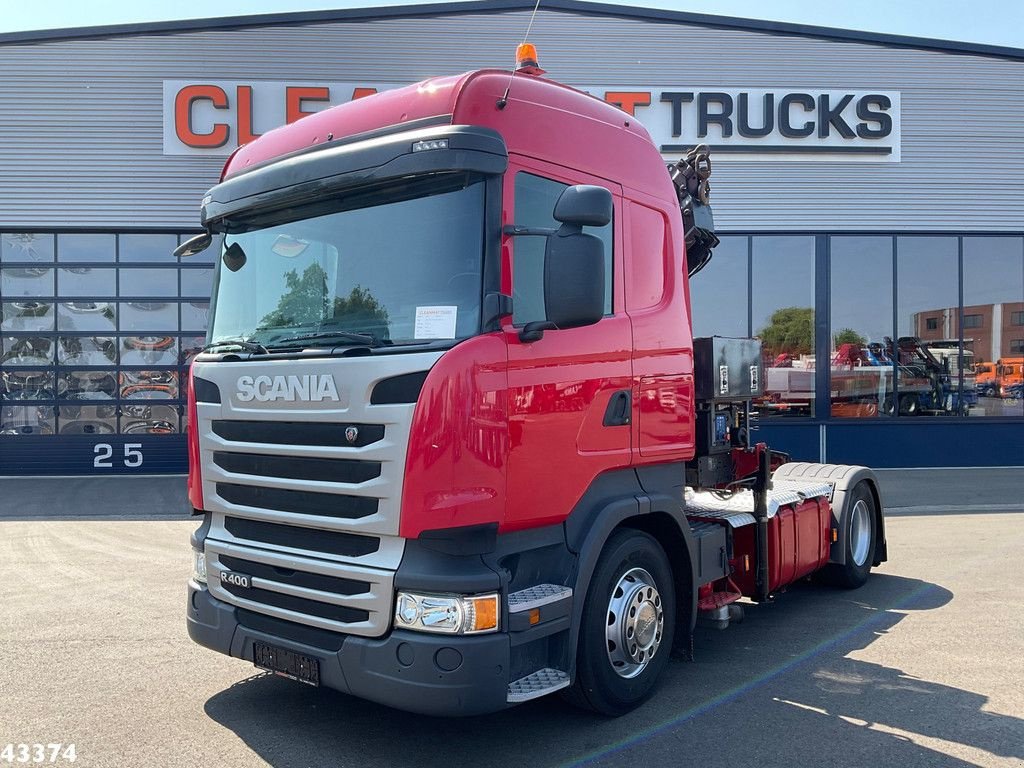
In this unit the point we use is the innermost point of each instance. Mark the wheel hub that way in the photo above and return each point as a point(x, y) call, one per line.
point(860, 532)
point(636, 623)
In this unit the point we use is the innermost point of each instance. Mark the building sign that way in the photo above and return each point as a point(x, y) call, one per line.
point(768, 124)
point(213, 117)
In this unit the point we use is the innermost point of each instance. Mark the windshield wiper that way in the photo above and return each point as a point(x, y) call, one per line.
point(358, 338)
point(249, 346)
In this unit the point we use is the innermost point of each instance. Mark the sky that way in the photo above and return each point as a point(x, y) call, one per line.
point(995, 22)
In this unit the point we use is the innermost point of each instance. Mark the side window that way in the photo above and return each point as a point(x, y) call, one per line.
point(535, 199)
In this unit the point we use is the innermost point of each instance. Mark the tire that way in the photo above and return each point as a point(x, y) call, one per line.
point(631, 597)
point(909, 405)
point(859, 522)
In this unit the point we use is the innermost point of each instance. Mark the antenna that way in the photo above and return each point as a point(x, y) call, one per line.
point(503, 101)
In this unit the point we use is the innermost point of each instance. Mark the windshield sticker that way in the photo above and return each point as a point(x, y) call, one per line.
point(435, 322)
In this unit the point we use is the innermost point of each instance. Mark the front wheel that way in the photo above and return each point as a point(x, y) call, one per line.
point(859, 521)
point(628, 625)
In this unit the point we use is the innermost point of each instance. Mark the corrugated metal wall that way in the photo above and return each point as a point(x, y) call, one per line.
point(80, 120)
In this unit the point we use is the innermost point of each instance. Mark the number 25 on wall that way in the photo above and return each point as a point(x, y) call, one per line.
point(104, 452)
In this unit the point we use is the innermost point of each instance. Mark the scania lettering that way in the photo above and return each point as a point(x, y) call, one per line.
point(533, 478)
point(266, 388)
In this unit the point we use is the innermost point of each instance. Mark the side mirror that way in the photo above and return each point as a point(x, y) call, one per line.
point(584, 206)
point(573, 261)
point(194, 245)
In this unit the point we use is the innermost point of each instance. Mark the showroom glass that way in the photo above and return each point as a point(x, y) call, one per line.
point(534, 205)
point(91, 347)
point(718, 293)
point(860, 302)
point(783, 312)
point(993, 290)
point(928, 341)
point(379, 269)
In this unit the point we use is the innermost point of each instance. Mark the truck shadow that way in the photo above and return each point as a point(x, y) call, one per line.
point(777, 689)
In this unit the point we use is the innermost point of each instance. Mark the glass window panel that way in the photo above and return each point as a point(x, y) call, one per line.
point(87, 419)
point(147, 248)
point(26, 246)
point(190, 347)
point(861, 308)
point(86, 281)
point(149, 316)
point(26, 281)
point(87, 316)
point(87, 350)
point(149, 385)
point(783, 313)
point(26, 350)
point(149, 419)
point(26, 420)
point(26, 316)
point(85, 248)
point(927, 296)
point(149, 282)
point(718, 293)
point(18, 384)
point(993, 270)
point(87, 385)
point(195, 315)
point(197, 282)
point(535, 203)
point(149, 350)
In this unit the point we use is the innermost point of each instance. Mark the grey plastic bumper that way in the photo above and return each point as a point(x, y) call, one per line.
point(427, 674)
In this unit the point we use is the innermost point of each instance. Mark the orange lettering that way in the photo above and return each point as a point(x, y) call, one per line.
point(183, 102)
point(294, 96)
point(358, 93)
point(245, 134)
point(628, 101)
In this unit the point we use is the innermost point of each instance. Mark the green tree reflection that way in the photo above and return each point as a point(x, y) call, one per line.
point(790, 329)
point(307, 301)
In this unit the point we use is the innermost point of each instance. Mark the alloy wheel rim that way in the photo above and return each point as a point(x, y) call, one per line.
point(635, 623)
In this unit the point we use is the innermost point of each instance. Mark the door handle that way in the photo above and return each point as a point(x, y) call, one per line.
point(620, 409)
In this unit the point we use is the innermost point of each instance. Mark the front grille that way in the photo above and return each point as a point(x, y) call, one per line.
point(310, 539)
point(351, 471)
point(299, 433)
point(299, 502)
point(301, 605)
point(298, 590)
point(296, 578)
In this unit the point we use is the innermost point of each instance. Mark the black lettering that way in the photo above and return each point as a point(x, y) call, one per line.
point(786, 128)
point(864, 112)
point(677, 99)
point(743, 126)
point(833, 117)
point(723, 118)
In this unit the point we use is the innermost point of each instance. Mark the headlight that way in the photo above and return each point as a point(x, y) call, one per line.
point(449, 614)
point(198, 566)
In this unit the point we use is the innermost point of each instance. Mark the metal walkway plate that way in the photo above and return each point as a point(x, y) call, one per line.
point(540, 683)
point(535, 597)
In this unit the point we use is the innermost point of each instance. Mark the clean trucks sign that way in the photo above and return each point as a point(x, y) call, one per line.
point(214, 117)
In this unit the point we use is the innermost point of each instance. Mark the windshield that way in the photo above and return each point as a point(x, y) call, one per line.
point(399, 265)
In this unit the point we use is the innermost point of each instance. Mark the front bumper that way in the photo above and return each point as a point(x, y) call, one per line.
point(426, 674)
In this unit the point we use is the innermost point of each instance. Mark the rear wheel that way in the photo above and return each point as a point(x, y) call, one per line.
point(859, 520)
point(628, 625)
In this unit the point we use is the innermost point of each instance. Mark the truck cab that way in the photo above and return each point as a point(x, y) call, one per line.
point(441, 429)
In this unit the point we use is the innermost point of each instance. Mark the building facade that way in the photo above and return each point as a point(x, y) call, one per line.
point(867, 189)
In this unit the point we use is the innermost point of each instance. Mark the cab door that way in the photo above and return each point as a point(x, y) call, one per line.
point(570, 393)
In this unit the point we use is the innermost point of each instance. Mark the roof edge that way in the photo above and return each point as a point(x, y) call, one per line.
point(498, 6)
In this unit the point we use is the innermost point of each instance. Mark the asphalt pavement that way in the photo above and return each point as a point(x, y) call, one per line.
point(920, 667)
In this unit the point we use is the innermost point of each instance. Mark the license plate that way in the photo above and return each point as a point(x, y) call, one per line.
point(280, 661)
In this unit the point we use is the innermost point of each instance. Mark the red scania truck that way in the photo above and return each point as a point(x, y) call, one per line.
point(452, 441)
